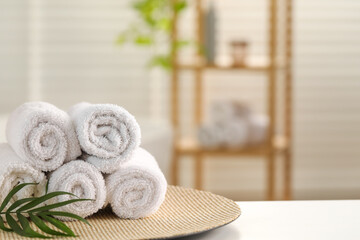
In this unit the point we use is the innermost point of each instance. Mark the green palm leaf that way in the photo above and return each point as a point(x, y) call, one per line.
point(38, 215)
point(43, 227)
point(19, 203)
point(14, 225)
point(60, 225)
point(12, 193)
point(67, 214)
point(42, 199)
point(25, 224)
point(2, 226)
point(56, 205)
point(47, 187)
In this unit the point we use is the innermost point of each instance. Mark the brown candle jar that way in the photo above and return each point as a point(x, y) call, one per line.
point(239, 53)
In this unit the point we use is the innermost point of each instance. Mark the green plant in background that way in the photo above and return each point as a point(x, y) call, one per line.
point(33, 209)
point(153, 29)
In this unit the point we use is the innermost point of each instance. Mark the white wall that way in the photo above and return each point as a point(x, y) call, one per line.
point(13, 53)
point(327, 99)
point(76, 59)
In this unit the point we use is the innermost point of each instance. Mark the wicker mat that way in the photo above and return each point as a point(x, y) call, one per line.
point(185, 211)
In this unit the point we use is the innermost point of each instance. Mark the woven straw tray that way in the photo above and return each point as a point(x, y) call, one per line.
point(184, 212)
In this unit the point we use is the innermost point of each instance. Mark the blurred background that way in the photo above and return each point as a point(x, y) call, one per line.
point(250, 99)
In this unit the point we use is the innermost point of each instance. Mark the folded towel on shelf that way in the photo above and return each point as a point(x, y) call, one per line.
point(226, 110)
point(42, 135)
point(83, 180)
point(210, 136)
point(107, 133)
point(233, 125)
point(137, 188)
point(258, 129)
point(14, 171)
point(233, 134)
point(236, 133)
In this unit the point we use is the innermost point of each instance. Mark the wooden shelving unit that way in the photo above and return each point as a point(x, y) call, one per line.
point(226, 68)
point(276, 144)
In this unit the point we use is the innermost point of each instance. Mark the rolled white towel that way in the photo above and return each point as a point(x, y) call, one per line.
point(258, 129)
point(83, 180)
point(137, 188)
point(107, 132)
point(42, 135)
point(14, 171)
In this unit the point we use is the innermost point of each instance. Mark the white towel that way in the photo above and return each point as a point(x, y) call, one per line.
point(107, 133)
point(138, 188)
point(14, 171)
point(236, 133)
point(223, 111)
point(210, 136)
point(42, 135)
point(83, 180)
point(231, 134)
point(258, 129)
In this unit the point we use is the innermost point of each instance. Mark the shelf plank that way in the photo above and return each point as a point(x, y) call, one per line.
point(192, 147)
point(245, 68)
point(260, 68)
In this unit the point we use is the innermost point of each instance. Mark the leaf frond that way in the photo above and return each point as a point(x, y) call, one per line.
point(34, 209)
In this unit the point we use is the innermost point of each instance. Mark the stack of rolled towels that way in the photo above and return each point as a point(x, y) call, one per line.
point(92, 151)
point(233, 125)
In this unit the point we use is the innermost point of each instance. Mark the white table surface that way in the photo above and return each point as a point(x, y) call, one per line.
point(292, 220)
